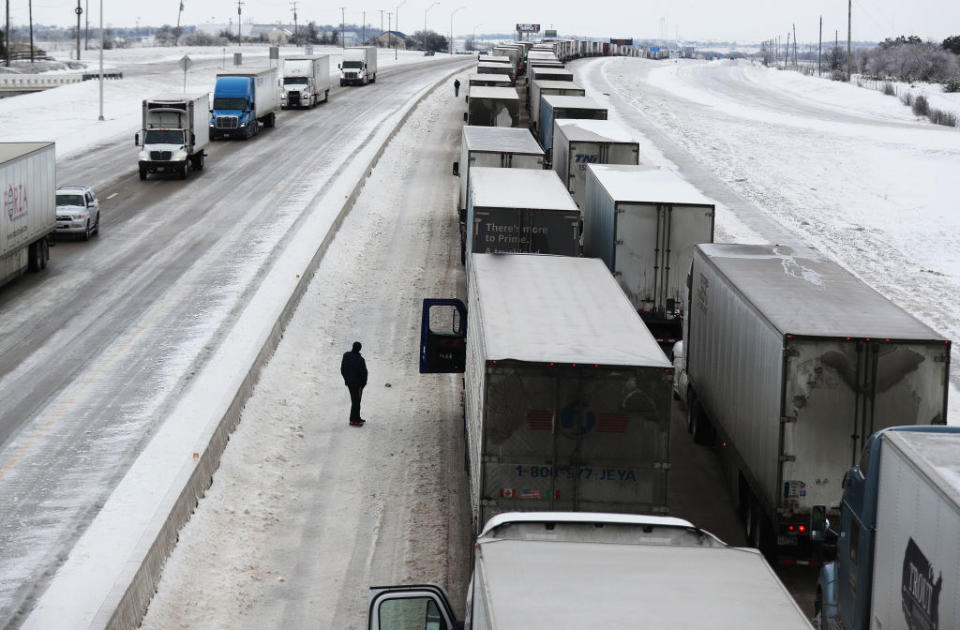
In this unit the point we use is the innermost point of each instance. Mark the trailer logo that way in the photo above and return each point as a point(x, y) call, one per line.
point(921, 594)
point(15, 202)
point(576, 419)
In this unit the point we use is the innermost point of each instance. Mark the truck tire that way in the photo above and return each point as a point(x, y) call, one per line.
point(198, 161)
point(270, 121)
point(342, 83)
point(45, 252)
point(373, 79)
point(183, 171)
point(143, 173)
point(326, 95)
point(33, 257)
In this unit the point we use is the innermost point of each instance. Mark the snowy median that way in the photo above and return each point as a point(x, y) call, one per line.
point(111, 573)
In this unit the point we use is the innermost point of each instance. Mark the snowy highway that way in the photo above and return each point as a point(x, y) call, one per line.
point(96, 350)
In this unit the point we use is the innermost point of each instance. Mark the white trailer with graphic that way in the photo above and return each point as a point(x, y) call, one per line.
point(28, 217)
point(580, 142)
point(567, 393)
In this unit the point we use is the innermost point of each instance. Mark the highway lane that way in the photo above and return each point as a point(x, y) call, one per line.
point(94, 351)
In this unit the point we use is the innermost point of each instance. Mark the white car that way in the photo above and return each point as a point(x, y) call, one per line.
point(78, 211)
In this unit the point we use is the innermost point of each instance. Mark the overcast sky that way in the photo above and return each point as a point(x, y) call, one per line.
point(718, 20)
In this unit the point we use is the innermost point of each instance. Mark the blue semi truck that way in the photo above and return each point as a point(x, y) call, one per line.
point(243, 102)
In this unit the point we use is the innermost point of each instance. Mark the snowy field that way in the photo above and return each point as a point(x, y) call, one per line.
point(847, 170)
point(68, 114)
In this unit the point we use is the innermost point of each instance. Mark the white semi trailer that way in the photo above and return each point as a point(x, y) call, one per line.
point(359, 66)
point(306, 81)
point(174, 134)
point(28, 217)
point(578, 143)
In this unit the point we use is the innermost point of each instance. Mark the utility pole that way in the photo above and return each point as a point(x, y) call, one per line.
point(343, 21)
point(381, 22)
point(296, 31)
point(86, 27)
point(389, 29)
point(179, 13)
point(397, 25)
point(78, 11)
point(363, 29)
point(795, 64)
point(31, 31)
point(239, 24)
point(101, 58)
point(849, 35)
point(820, 49)
point(454, 12)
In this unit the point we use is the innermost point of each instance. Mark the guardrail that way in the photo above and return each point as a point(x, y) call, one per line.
point(38, 82)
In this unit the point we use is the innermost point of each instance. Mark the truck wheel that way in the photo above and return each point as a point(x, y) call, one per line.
point(342, 83)
point(373, 79)
point(33, 262)
point(143, 173)
point(326, 95)
point(198, 163)
point(183, 171)
point(44, 253)
point(270, 120)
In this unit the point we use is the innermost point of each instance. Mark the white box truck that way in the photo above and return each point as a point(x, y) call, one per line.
point(554, 107)
point(496, 68)
point(897, 565)
point(493, 147)
point(643, 223)
point(306, 81)
point(174, 133)
point(567, 395)
point(580, 571)
point(359, 66)
point(28, 189)
point(493, 107)
point(520, 210)
point(578, 143)
point(792, 363)
point(541, 87)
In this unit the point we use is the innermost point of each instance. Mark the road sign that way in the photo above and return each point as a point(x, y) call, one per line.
point(654, 49)
point(528, 28)
point(185, 63)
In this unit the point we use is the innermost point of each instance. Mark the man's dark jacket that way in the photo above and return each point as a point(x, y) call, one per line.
point(353, 369)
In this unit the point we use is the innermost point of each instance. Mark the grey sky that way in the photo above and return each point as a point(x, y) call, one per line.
point(740, 20)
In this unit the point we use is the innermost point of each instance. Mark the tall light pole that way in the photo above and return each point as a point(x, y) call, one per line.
point(343, 20)
point(425, 11)
point(78, 11)
point(396, 25)
point(453, 13)
point(101, 60)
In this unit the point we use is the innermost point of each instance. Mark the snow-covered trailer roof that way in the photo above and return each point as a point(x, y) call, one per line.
point(500, 140)
point(558, 309)
point(589, 130)
point(644, 184)
point(937, 454)
point(14, 150)
point(518, 188)
point(801, 293)
point(500, 93)
point(558, 101)
point(545, 84)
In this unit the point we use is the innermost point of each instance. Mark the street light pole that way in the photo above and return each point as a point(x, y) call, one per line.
point(452, 13)
point(475, 36)
point(397, 24)
point(101, 60)
point(425, 11)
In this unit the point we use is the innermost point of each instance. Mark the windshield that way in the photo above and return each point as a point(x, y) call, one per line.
point(294, 80)
point(229, 103)
point(352, 64)
point(164, 136)
point(69, 200)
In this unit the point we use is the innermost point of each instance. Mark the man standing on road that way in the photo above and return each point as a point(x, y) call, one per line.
point(456, 87)
point(354, 371)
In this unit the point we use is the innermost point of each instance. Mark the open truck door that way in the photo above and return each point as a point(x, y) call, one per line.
point(418, 607)
point(443, 337)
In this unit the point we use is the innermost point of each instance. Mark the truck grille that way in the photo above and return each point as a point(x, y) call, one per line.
point(351, 75)
point(160, 155)
point(293, 98)
point(227, 122)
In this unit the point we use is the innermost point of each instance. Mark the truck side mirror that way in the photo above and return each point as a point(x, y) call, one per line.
point(339, 67)
point(818, 522)
point(456, 168)
point(136, 139)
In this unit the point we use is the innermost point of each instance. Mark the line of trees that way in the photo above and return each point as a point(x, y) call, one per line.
point(909, 58)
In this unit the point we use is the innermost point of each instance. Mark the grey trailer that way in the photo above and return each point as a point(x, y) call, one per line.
point(486, 80)
point(540, 87)
point(496, 68)
point(643, 223)
point(541, 73)
point(28, 181)
point(792, 363)
point(493, 107)
point(554, 107)
point(578, 143)
point(520, 210)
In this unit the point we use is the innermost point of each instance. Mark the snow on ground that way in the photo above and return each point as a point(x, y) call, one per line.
point(68, 114)
point(305, 513)
point(847, 170)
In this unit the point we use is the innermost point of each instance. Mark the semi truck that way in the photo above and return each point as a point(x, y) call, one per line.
point(519, 210)
point(493, 107)
point(577, 143)
point(243, 102)
point(359, 66)
point(544, 73)
point(643, 223)
point(554, 107)
point(28, 186)
point(306, 80)
point(897, 564)
point(791, 364)
point(540, 87)
point(174, 133)
point(567, 395)
point(573, 571)
point(496, 68)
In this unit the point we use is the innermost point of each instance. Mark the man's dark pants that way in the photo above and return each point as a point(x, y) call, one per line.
point(355, 392)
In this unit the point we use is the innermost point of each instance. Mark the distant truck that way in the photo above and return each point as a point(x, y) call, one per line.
point(28, 189)
point(306, 81)
point(174, 133)
point(243, 101)
point(554, 107)
point(359, 66)
point(791, 364)
point(493, 107)
point(541, 87)
point(494, 147)
point(567, 395)
point(643, 223)
point(578, 143)
point(519, 210)
point(573, 571)
point(495, 68)
point(898, 558)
